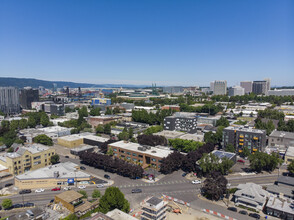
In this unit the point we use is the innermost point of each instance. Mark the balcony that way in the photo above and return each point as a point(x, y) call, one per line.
point(255, 138)
point(241, 144)
point(241, 136)
point(241, 140)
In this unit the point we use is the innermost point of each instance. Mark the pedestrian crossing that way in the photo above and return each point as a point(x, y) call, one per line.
point(155, 184)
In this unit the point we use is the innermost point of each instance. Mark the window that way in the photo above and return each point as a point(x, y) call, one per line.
point(134, 154)
point(27, 155)
point(114, 149)
point(128, 158)
point(141, 161)
point(38, 157)
point(128, 153)
point(134, 159)
point(140, 155)
point(154, 160)
point(37, 162)
point(45, 160)
point(115, 154)
point(19, 162)
point(122, 151)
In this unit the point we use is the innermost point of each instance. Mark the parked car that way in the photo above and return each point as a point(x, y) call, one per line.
point(82, 187)
point(184, 174)
point(16, 206)
point(241, 161)
point(29, 204)
point(39, 190)
point(8, 184)
point(106, 176)
point(67, 188)
point(196, 181)
point(56, 189)
point(66, 156)
point(136, 190)
point(254, 215)
point(99, 185)
point(243, 212)
point(233, 209)
point(82, 168)
point(25, 191)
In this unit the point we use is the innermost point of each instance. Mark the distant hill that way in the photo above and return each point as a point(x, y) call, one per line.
point(35, 83)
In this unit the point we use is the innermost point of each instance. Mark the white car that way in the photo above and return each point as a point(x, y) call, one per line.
point(196, 181)
point(66, 188)
point(82, 187)
point(39, 190)
point(99, 185)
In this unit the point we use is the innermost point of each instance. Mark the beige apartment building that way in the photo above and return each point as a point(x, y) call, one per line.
point(28, 157)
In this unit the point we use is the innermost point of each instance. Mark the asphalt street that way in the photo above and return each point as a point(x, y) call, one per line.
point(173, 185)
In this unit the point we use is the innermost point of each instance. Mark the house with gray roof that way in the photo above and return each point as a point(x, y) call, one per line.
point(280, 207)
point(281, 138)
point(251, 195)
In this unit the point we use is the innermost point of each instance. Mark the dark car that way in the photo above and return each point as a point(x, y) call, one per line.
point(8, 184)
point(66, 156)
point(254, 215)
point(233, 209)
point(136, 190)
point(184, 174)
point(82, 168)
point(106, 176)
point(25, 191)
point(29, 204)
point(243, 212)
point(17, 206)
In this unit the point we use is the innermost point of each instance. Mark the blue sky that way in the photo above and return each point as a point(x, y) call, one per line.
point(139, 42)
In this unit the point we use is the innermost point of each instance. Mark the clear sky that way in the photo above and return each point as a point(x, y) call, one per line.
point(183, 42)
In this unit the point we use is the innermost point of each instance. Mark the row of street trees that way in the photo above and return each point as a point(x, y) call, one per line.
point(260, 161)
point(185, 145)
point(150, 118)
point(113, 165)
point(151, 140)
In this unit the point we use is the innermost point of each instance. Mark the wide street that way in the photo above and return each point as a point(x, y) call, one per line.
point(173, 185)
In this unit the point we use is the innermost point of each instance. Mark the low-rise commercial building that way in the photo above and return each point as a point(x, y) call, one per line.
point(240, 137)
point(73, 201)
point(154, 208)
point(171, 107)
point(223, 154)
point(136, 153)
point(180, 122)
point(280, 207)
point(289, 155)
point(79, 150)
point(281, 138)
point(29, 157)
point(102, 120)
point(251, 195)
point(71, 141)
point(58, 175)
point(94, 140)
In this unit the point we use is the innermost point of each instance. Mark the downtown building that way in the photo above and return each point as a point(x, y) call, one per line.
point(9, 100)
point(219, 87)
point(27, 96)
point(261, 87)
point(236, 90)
point(247, 85)
point(241, 137)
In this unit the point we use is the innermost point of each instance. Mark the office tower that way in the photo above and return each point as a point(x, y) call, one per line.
point(268, 85)
point(67, 91)
point(259, 87)
point(79, 92)
point(220, 87)
point(54, 87)
point(247, 85)
point(236, 90)
point(27, 96)
point(9, 100)
point(211, 86)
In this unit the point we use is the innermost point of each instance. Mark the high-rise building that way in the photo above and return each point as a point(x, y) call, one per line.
point(259, 87)
point(236, 90)
point(27, 96)
point(247, 85)
point(211, 86)
point(219, 87)
point(268, 85)
point(9, 100)
point(54, 87)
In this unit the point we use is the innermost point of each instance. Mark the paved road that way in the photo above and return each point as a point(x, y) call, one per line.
point(172, 185)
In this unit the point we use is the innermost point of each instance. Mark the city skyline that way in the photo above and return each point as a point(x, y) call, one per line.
point(168, 42)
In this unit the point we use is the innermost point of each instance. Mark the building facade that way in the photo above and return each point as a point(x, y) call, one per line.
point(180, 123)
point(241, 137)
point(220, 87)
point(173, 89)
point(136, 153)
point(101, 101)
point(259, 87)
point(27, 96)
point(154, 208)
point(236, 90)
point(247, 85)
point(9, 100)
point(30, 157)
point(281, 138)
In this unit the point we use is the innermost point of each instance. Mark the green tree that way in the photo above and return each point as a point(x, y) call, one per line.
point(9, 138)
point(43, 139)
point(230, 148)
point(23, 123)
point(245, 152)
point(14, 125)
point(10, 150)
point(99, 129)
point(131, 133)
point(108, 111)
point(6, 203)
point(153, 129)
point(44, 120)
point(32, 122)
point(71, 217)
point(107, 128)
point(84, 193)
point(222, 122)
point(54, 159)
point(95, 111)
point(96, 194)
point(113, 198)
point(68, 109)
point(290, 167)
point(124, 135)
point(109, 151)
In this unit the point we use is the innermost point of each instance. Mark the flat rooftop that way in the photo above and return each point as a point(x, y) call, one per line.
point(158, 151)
point(245, 129)
point(285, 205)
point(72, 137)
point(154, 201)
point(82, 148)
point(65, 171)
point(290, 152)
point(282, 134)
point(69, 196)
point(170, 134)
point(96, 138)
